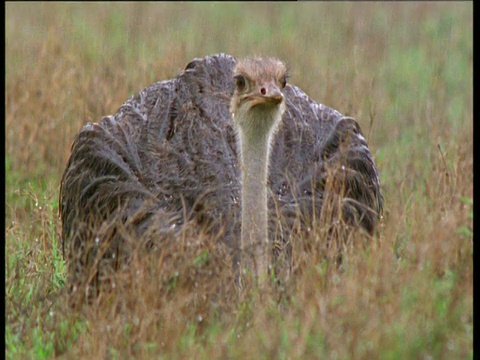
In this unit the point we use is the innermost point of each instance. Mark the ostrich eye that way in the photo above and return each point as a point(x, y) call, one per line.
point(283, 82)
point(240, 82)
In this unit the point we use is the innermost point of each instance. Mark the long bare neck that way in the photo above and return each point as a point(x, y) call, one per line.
point(255, 144)
point(254, 237)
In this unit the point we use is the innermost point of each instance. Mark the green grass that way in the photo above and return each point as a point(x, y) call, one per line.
point(403, 70)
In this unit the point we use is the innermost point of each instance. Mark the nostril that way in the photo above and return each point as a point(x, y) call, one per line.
point(263, 91)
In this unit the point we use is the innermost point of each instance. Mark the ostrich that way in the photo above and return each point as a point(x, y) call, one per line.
point(227, 144)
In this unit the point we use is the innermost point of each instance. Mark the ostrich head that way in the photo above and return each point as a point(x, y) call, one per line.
point(257, 104)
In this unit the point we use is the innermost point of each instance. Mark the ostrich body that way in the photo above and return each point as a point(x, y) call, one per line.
point(226, 145)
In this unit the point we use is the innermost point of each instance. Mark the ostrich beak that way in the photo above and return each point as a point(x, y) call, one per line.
point(274, 95)
point(268, 94)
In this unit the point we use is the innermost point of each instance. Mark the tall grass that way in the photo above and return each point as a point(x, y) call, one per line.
point(404, 70)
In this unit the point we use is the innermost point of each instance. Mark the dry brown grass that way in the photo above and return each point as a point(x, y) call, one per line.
point(404, 70)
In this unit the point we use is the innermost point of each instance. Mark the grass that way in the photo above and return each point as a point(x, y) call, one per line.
point(404, 70)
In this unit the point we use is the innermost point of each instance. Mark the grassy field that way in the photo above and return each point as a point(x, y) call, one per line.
point(404, 70)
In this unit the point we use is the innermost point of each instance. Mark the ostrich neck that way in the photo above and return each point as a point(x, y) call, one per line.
point(254, 233)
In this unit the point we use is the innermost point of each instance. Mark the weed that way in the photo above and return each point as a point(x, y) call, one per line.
point(404, 70)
